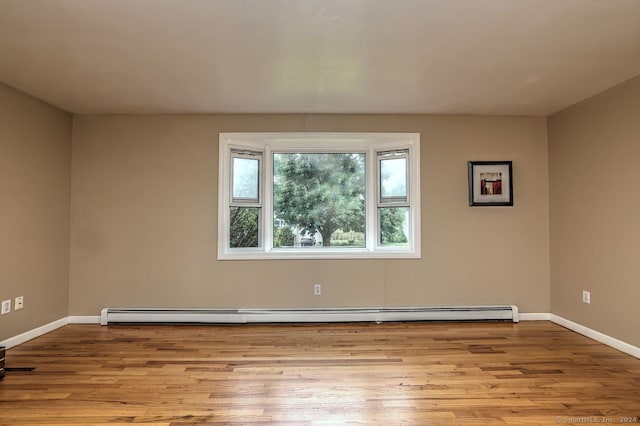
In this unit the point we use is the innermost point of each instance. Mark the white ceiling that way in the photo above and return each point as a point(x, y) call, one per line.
point(515, 57)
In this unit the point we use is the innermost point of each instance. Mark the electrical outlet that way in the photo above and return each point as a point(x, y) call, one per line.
point(6, 307)
point(18, 303)
point(586, 296)
point(317, 289)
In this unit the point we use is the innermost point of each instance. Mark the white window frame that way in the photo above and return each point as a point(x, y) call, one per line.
point(248, 155)
point(392, 201)
point(248, 202)
point(369, 143)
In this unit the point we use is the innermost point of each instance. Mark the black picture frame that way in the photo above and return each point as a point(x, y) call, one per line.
point(490, 183)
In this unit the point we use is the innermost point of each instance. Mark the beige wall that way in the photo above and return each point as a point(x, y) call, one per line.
point(595, 211)
point(144, 208)
point(35, 156)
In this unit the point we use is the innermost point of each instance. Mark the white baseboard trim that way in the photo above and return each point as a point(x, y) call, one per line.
point(597, 336)
point(535, 316)
point(32, 334)
point(87, 319)
point(44, 329)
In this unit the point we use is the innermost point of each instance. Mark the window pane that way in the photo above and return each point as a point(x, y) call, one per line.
point(283, 235)
point(394, 226)
point(245, 178)
point(245, 229)
point(348, 239)
point(393, 178)
point(319, 198)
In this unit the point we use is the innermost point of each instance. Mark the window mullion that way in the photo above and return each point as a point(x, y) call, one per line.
point(371, 209)
point(267, 205)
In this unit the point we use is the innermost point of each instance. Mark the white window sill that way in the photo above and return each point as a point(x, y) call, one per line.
point(311, 253)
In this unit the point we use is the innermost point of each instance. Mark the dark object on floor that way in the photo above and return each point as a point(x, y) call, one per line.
point(2, 352)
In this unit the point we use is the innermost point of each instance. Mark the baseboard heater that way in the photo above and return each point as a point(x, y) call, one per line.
point(306, 315)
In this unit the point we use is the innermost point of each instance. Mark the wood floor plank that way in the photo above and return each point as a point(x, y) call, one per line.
point(392, 373)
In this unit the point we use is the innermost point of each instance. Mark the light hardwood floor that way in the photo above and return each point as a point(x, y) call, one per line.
point(395, 373)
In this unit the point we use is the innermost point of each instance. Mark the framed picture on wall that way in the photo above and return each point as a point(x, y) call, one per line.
point(490, 183)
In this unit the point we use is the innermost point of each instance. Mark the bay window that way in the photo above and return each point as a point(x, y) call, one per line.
point(319, 195)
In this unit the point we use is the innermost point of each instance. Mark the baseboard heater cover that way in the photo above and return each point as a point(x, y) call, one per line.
point(242, 316)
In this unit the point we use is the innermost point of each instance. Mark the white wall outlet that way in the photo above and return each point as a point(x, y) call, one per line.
point(317, 289)
point(586, 296)
point(18, 303)
point(6, 307)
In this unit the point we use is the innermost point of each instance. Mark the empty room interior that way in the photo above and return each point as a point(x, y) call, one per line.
point(319, 212)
